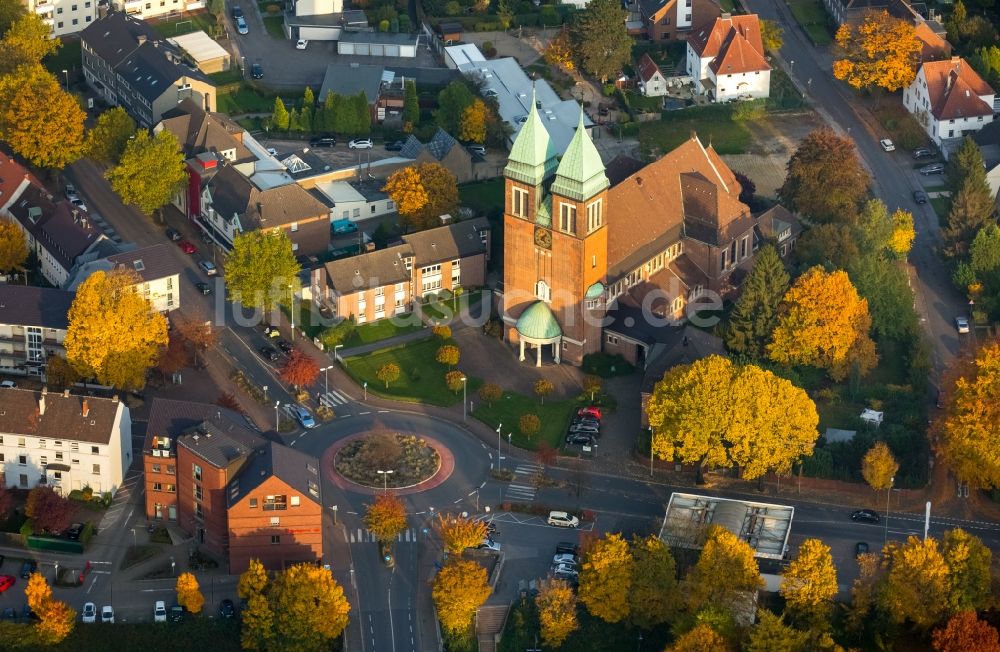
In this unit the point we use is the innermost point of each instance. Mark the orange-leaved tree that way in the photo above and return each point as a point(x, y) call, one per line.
point(971, 428)
point(880, 52)
point(472, 127)
point(460, 588)
point(386, 517)
point(423, 193)
point(964, 632)
point(459, 532)
point(448, 355)
point(300, 370)
point(189, 593)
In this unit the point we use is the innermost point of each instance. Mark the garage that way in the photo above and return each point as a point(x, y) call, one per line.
point(319, 33)
point(378, 44)
point(208, 55)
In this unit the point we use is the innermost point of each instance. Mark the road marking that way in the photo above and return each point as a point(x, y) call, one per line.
point(91, 587)
point(364, 412)
point(483, 484)
point(97, 572)
point(380, 412)
point(156, 590)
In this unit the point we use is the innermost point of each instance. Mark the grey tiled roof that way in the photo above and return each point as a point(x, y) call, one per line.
point(449, 242)
point(26, 305)
point(62, 418)
point(351, 79)
point(150, 263)
point(369, 270)
point(53, 224)
point(234, 194)
point(170, 418)
point(294, 468)
point(220, 443)
point(199, 131)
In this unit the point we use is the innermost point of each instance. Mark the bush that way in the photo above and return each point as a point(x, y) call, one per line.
point(273, 9)
point(86, 533)
point(27, 528)
point(749, 110)
point(606, 365)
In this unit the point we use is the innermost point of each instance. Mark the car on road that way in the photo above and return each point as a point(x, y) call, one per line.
point(301, 44)
point(865, 516)
point(107, 614)
point(962, 324)
point(28, 568)
point(272, 151)
point(562, 519)
point(173, 234)
point(394, 146)
point(325, 141)
point(272, 331)
point(303, 416)
point(268, 353)
point(586, 421)
point(479, 150)
point(78, 203)
point(567, 548)
point(6, 581)
point(160, 612)
point(241, 25)
point(581, 438)
point(932, 168)
point(208, 267)
point(887, 145)
point(90, 612)
point(74, 531)
point(285, 346)
point(922, 152)
point(203, 287)
point(227, 609)
point(237, 12)
point(564, 558)
point(860, 548)
point(176, 613)
point(361, 143)
point(256, 71)
point(521, 119)
point(187, 247)
point(920, 196)
point(8, 384)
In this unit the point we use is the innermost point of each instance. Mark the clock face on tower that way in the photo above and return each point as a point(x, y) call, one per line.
point(543, 237)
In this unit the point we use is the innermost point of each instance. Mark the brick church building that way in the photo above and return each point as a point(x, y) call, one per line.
point(591, 265)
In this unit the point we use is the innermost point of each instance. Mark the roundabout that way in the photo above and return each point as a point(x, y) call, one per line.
point(403, 462)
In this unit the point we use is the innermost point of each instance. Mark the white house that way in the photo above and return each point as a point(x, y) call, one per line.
point(355, 201)
point(949, 99)
point(652, 83)
point(726, 61)
point(33, 323)
point(156, 267)
point(67, 442)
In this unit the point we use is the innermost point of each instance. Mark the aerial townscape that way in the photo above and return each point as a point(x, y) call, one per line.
point(499, 325)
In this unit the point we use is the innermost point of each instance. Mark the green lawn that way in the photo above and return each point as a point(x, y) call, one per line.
point(482, 196)
point(813, 18)
point(554, 415)
point(219, 635)
point(442, 309)
point(246, 100)
point(67, 57)
point(275, 26)
point(942, 206)
point(713, 124)
point(200, 22)
point(381, 330)
point(422, 377)
point(230, 76)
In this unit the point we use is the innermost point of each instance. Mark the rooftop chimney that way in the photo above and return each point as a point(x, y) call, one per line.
point(65, 393)
point(86, 408)
point(41, 403)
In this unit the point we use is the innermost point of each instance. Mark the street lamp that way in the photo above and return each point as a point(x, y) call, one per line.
point(291, 308)
point(366, 389)
point(277, 424)
point(66, 72)
point(385, 479)
point(892, 481)
point(326, 379)
point(791, 64)
point(133, 538)
point(465, 402)
point(499, 454)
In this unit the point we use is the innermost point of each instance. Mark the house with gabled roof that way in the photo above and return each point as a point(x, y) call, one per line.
point(949, 99)
point(33, 325)
point(441, 148)
point(156, 272)
point(726, 59)
point(669, 20)
point(652, 83)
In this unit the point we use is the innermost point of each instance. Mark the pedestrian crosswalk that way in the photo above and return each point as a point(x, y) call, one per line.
point(361, 535)
point(333, 397)
point(523, 485)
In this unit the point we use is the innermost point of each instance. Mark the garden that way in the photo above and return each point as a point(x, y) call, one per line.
point(814, 19)
point(410, 457)
point(553, 418)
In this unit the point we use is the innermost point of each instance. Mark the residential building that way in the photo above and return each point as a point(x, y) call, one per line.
point(384, 283)
point(779, 227)
point(652, 83)
point(441, 148)
point(349, 79)
point(126, 63)
point(988, 140)
point(59, 234)
point(355, 201)
point(949, 99)
point(667, 20)
point(64, 16)
point(239, 495)
point(933, 41)
point(589, 265)
point(147, 9)
point(14, 180)
point(854, 11)
point(321, 20)
point(33, 323)
point(156, 269)
point(726, 59)
point(64, 441)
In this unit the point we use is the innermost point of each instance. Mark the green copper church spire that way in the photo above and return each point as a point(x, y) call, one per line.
point(580, 174)
point(533, 156)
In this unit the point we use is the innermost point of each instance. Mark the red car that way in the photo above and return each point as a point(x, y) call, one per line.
point(591, 411)
point(6, 581)
point(187, 247)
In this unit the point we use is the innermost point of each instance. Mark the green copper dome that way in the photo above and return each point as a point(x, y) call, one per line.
point(580, 174)
point(538, 323)
point(533, 157)
point(594, 291)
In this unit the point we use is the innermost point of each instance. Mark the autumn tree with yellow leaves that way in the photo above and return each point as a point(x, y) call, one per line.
point(654, 597)
point(559, 51)
point(824, 323)
point(970, 432)
point(879, 466)
point(459, 532)
point(56, 618)
point(880, 52)
point(726, 570)
point(47, 133)
point(556, 603)
point(903, 233)
point(257, 619)
point(702, 638)
point(13, 246)
point(310, 609)
point(969, 578)
point(606, 579)
point(771, 634)
point(460, 588)
point(809, 583)
point(385, 517)
point(759, 421)
point(917, 586)
point(472, 127)
point(422, 194)
point(26, 42)
point(114, 335)
point(189, 593)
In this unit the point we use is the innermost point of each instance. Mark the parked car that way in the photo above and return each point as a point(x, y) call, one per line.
point(107, 614)
point(70, 191)
point(268, 353)
point(78, 203)
point(567, 548)
point(564, 558)
point(591, 411)
point(173, 234)
point(89, 612)
point(920, 196)
point(325, 141)
point(478, 150)
point(301, 44)
point(237, 12)
point(208, 267)
point(272, 151)
point(74, 531)
point(562, 519)
point(303, 416)
point(187, 247)
point(491, 92)
point(6, 581)
point(10, 613)
point(27, 568)
point(27, 614)
point(241, 25)
point(586, 421)
point(8, 384)
point(203, 287)
point(256, 71)
point(489, 544)
point(581, 438)
point(565, 571)
point(962, 324)
point(341, 227)
point(394, 146)
point(272, 331)
point(922, 152)
point(160, 612)
point(579, 428)
point(227, 609)
point(176, 613)
point(285, 346)
point(932, 168)
point(887, 145)
point(865, 516)
point(361, 143)
point(860, 548)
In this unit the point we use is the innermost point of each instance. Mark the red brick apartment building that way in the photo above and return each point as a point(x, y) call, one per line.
point(238, 495)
